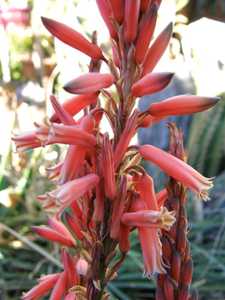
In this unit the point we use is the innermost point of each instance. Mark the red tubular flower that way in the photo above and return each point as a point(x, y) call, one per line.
point(75, 104)
point(144, 5)
point(161, 197)
point(177, 169)
point(26, 141)
point(124, 242)
point(99, 202)
point(108, 168)
point(69, 268)
point(118, 209)
point(149, 218)
point(157, 49)
point(54, 236)
point(132, 10)
point(149, 237)
point(59, 227)
point(107, 16)
point(116, 58)
point(59, 289)
point(76, 154)
point(145, 33)
point(182, 105)
point(126, 136)
point(71, 135)
point(151, 83)
point(74, 226)
point(74, 189)
point(44, 286)
point(118, 9)
point(151, 251)
point(72, 38)
point(145, 186)
point(89, 83)
point(61, 113)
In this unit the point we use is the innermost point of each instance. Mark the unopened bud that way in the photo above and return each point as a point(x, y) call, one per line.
point(82, 266)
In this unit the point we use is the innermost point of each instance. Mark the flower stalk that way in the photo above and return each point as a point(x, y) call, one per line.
point(102, 192)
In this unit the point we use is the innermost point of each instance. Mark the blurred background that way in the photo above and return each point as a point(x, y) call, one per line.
point(33, 65)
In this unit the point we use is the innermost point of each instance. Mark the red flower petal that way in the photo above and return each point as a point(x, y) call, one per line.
point(182, 105)
point(151, 83)
point(132, 10)
point(72, 38)
point(157, 49)
point(89, 83)
point(145, 33)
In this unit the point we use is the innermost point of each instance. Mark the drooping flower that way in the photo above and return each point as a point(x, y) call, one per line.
point(72, 38)
point(177, 169)
point(151, 83)
point(89, 83)
point(182, 105)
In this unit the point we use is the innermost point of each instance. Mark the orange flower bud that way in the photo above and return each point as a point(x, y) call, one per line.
point(157, 49)
point(151, 83)
point(69, 267)
point(72, 38)
point(42, 288)
point(182, 105)
point(89, 83)
point(118, 9)
point(145, 33)
point(107, 15)
point(144, 5)
point(53, 235)
point(132, 9)
point(59, 288)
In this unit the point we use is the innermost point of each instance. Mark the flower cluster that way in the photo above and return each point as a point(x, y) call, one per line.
point(102, 191)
